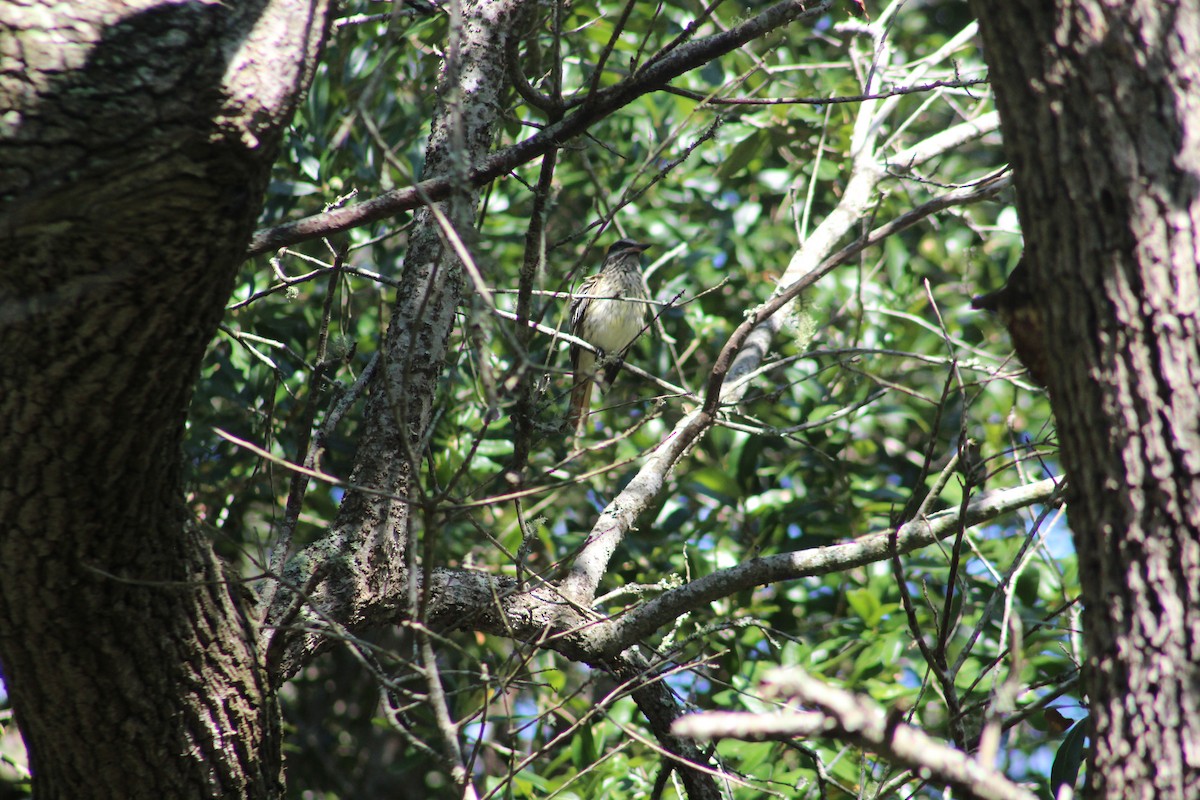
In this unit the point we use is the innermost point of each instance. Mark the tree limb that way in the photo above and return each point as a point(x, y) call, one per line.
point(847, 716)
point(655, 75)
point(617, 634)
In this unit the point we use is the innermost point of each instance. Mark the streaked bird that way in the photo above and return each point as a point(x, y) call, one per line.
point(608, 313)
point(1013, 304)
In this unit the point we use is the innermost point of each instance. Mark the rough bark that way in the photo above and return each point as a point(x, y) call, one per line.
point(133, 158)
point(1101, 118)
point(358, 575)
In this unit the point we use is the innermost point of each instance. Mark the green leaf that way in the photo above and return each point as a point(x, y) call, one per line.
point(866, 604)
point(743, 153)
point(1069, 757)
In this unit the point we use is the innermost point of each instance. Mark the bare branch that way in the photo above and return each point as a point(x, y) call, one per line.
point(832, 99)
point(655, 75)
point(618, 634)
point(944, 141)
point(857, 719)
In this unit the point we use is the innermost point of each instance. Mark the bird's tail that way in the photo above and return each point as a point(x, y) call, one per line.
point(581, 402)
point(581, 391)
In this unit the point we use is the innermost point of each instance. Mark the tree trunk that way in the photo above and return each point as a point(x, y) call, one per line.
point(1101, 118)
point(133, 161)
point(373, 530)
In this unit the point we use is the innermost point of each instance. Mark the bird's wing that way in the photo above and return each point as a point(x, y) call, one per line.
point(579, 306)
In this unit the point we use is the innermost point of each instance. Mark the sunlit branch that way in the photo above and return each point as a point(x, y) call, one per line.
point(644, 620)
point(653, 76)
point(831, 100)
point(844, 715)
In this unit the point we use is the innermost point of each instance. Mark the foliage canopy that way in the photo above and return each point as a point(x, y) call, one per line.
point(883, 398)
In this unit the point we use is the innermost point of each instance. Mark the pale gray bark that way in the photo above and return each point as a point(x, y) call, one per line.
point(854, 718)
point(358, 574)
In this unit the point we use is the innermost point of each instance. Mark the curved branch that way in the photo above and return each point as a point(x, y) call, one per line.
point(737, 357)
point(472, 600)
point(850, 717)
point(618, 517)
point(650, 78)
point(619, 634)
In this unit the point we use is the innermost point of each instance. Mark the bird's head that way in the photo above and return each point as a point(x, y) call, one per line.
point(1015, 293)
point(625, 246)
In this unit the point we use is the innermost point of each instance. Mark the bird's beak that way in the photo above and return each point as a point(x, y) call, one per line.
point(641, 248)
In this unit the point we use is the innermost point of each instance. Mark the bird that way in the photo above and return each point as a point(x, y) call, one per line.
point(608, 312)
point(1014, 304)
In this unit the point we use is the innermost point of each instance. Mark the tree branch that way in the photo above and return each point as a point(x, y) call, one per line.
point(616, 635)
point(474, 600)
point(655, 75)
point(741, 354)
point(856, 719)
